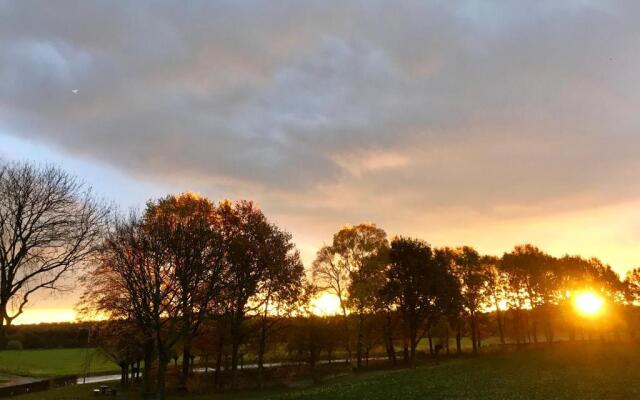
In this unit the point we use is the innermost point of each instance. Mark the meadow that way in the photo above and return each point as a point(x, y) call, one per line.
point(594, 371)
point(54, 362)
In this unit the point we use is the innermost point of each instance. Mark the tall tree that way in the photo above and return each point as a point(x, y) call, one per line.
point(281, 293)
point(253, 249)
point(416, 282)
point(474, 279)
point(498, 287)
point(135, 281)
point(332, 276)
point(189, 227)
point(50, 224)
point(532, 273)
point(350, 268)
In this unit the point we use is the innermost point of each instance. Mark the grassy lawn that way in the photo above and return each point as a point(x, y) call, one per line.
point(54, 362)
point(582, 372)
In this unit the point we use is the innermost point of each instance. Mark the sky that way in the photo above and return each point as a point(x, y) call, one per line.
point(483, 123)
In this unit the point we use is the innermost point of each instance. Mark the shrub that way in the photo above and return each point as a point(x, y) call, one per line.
point(14, 344)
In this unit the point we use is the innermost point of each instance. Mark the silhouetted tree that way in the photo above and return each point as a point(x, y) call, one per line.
point(120, 341)
point(136, 281)
point(351, 268)
point(498, 287)
point(416, 283)
point(281, 293)
point(254, 250)
point(474, 279)
point(50, 224)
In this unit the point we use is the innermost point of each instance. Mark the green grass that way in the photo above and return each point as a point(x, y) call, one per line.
point(54, 362)
point(581, 372)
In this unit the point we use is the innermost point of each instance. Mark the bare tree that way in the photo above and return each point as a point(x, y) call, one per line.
point(49, 225)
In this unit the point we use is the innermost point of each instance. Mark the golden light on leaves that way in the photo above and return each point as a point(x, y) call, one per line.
point(589, 304)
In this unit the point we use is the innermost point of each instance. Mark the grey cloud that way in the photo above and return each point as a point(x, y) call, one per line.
point(470, 104)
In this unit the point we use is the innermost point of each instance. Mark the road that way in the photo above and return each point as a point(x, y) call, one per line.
point(116, 377)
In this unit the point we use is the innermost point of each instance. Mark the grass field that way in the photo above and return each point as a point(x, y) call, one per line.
point(54, 362)
point(582, 372)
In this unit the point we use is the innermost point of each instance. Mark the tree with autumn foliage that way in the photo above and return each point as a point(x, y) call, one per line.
point(262, 265)
point(134, 281)
point(190, 230)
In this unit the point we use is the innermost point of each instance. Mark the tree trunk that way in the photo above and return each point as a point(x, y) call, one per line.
point(261, 350)
point(405, 351)
point(474, 334)
point(527, 323)
point(534, 325)
point(414, 346)
point(186, 361)
point(413, 339)
point(162, 377)
point(391, 353)
point(360, 340)
point(516, 325)
point(5, 323)
point(235, 347)
point(148, 363)
point(124, 374)
point(3, 335)
point(446, 343)
point(500, 325)
point(431, 352)
point(459, 340)
point(217, 375)
point(346, 330)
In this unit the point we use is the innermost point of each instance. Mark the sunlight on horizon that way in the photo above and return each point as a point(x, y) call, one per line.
point(46, 315)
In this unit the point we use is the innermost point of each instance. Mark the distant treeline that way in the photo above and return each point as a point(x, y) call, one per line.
point(49, 336)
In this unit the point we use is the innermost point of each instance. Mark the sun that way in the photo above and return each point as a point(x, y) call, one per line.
point(326, 304)
point(589, 304)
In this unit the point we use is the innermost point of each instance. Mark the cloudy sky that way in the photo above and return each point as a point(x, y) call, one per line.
point(487, 123)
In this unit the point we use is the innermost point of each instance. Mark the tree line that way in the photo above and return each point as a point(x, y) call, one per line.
point(192, 280)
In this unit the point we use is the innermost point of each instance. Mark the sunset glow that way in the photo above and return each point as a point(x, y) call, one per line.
point(46, 315)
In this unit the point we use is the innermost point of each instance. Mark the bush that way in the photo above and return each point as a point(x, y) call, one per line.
point(14, 345)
